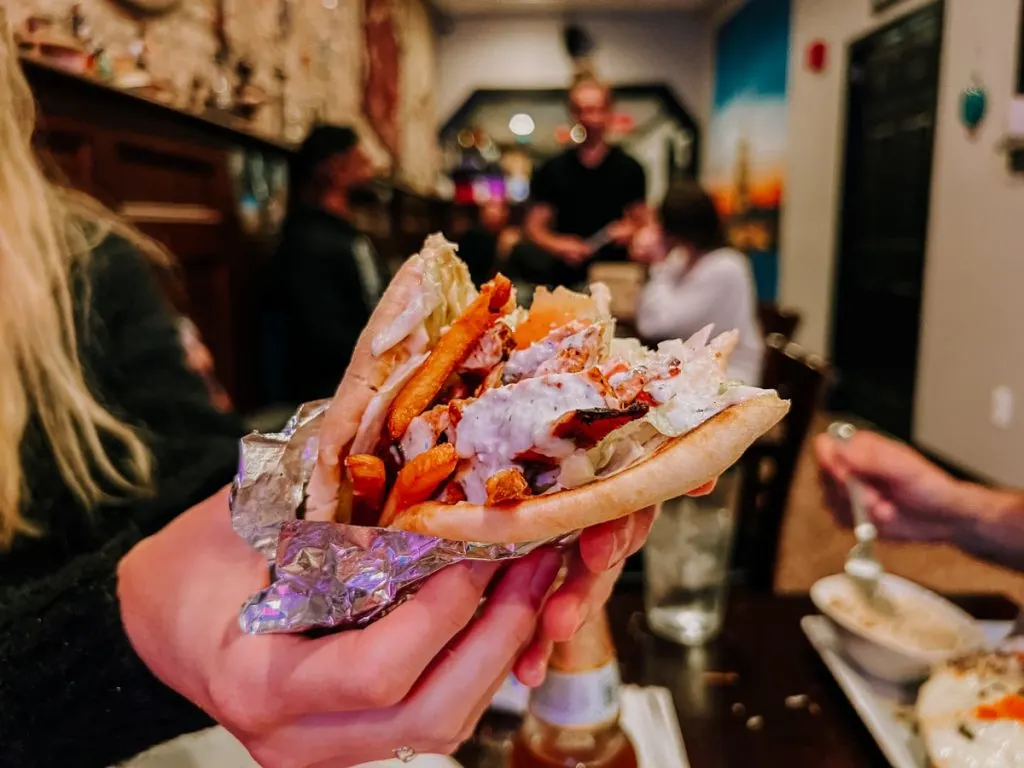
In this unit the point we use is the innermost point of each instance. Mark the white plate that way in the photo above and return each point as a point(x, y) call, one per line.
point(648, 716)
point(879, 703)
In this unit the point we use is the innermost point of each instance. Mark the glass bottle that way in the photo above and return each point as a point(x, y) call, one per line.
point(573, 718)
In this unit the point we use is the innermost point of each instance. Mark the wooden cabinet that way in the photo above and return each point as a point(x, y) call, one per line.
point(169, 173)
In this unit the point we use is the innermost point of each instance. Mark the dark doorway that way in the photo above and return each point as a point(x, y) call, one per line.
point(892, 87)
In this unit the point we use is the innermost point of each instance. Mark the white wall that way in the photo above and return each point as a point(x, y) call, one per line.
point(973, 315)
point(652, 152)
point(523, 52)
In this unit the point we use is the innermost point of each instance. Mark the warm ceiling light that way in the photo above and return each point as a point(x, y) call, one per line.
point(521, 124)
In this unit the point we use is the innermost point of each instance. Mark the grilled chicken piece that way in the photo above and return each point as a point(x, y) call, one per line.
point(587, 427)
point(493, 349)
point(507, 485)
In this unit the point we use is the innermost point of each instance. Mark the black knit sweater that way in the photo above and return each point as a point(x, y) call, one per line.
point(72, 691)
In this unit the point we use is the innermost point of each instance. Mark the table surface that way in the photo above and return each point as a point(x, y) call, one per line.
point(765, 657)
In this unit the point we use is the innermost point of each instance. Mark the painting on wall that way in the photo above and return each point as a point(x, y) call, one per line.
point(747, 137)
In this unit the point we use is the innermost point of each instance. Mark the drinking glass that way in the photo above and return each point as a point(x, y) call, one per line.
point(686, 565)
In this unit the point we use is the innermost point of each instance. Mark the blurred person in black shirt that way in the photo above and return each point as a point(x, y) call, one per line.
point(331, 277)
point(588, 202)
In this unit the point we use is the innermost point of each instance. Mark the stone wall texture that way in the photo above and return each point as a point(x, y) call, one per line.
point(322, 55)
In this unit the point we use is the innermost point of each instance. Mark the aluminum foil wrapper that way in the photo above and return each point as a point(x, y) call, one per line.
point(328, 575)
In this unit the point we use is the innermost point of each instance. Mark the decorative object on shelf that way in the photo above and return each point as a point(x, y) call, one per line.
point(248, 97)
point(103, 65)
point(81, 30)
point(151, 7)
point(41, 38)
point(131, 72)
point(218, 99)
point(973, 104)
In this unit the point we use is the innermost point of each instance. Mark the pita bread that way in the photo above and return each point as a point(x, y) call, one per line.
point(363, 377)
point(676, 467)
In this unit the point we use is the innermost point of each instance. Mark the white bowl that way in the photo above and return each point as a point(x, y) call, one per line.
point(883, 656)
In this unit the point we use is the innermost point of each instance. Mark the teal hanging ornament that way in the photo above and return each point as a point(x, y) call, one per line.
point(973, 104)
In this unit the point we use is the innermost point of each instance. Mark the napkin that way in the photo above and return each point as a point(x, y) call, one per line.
point(649, 717)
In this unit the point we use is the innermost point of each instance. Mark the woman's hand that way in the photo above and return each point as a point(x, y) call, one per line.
point(420, 677)
point(592, 572)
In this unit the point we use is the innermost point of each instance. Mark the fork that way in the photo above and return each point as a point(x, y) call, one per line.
point(862, 565)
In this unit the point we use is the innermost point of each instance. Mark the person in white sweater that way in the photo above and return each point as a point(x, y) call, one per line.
point(697, 280)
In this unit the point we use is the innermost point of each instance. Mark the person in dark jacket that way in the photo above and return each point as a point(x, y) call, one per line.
point(60, 632)
point(331, 276)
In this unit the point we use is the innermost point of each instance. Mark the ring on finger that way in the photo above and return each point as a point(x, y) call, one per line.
point(405, 754)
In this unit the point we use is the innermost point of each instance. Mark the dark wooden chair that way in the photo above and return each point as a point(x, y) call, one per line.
point(770, 464)
point(776, 319)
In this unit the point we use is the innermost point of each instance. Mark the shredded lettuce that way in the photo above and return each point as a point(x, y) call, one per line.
point(514, 318)
point(449, 277)
point(686, 402)
point(447, 292)
point(630, 351)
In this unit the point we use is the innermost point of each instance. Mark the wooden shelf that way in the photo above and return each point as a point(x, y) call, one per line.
point(224, 127)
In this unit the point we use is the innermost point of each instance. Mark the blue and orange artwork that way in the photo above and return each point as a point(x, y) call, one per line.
point(747, 141)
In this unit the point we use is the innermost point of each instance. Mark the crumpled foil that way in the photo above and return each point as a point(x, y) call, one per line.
point(328, 575)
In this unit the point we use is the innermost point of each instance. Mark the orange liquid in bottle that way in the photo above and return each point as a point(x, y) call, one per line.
point(573, 720)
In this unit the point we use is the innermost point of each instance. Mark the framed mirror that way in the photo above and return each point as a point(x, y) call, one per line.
point(495, 139)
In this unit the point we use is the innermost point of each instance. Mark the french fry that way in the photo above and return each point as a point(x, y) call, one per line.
point(419, 479)
point(587, 427)
point(493, 380)
point(368, 479)
point(507, 485)
point(451, 493)
point(452, 348)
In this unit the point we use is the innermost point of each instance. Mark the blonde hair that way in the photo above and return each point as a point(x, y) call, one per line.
point(46, 235)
